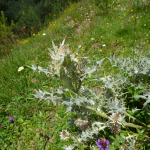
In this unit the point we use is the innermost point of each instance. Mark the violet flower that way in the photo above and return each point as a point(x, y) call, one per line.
point(12, 120)
point(102, 144)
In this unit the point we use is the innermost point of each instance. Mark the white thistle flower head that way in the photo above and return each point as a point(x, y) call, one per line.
point(64, 135)
point(116, 118)
point(20, 68)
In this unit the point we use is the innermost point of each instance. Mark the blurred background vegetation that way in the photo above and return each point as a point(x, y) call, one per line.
point(20, 19)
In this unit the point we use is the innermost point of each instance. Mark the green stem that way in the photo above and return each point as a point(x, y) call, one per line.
point(79, 145)
point(133, 118)
point(102, 114)
point(133, 125)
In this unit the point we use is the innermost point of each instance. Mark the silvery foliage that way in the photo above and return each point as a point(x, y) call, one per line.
point(86, 100)
point(140, 70)
point(57, 57)
point(131, 140)
point(138, 67)
point(145, 96)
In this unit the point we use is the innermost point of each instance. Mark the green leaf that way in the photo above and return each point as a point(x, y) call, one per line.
point(20, 120)
point(116, 143)
point(66, 79)
point(112, 137)
point(139, 132)
point(112, 147)
point(26, 122)
point(121, 139)
point(123, 133)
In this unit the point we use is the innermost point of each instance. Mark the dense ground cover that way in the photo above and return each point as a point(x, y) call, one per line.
point(90, 32)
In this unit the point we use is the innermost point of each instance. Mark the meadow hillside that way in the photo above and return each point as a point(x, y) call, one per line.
point(91, 30)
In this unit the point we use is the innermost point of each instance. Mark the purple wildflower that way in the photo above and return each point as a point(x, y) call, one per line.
point(12, 120)
point(102, 144)
point(84, 43)
point(45, 136)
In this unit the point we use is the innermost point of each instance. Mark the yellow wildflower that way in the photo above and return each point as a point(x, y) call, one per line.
point(132, 16)
point(131, 10)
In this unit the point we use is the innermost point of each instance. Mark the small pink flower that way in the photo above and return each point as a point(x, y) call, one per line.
point(115, 128)
point(37, 130)
point(45, 136)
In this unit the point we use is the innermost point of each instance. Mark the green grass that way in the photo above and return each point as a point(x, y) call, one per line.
point(78, 24)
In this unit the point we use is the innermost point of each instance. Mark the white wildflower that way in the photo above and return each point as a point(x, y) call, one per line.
point(20, 68)
point(44, 33)
point(64, 135)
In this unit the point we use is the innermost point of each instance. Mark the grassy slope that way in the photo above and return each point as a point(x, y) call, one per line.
point(78, 24)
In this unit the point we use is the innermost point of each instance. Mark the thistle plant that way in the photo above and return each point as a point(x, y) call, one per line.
point(109, 106)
